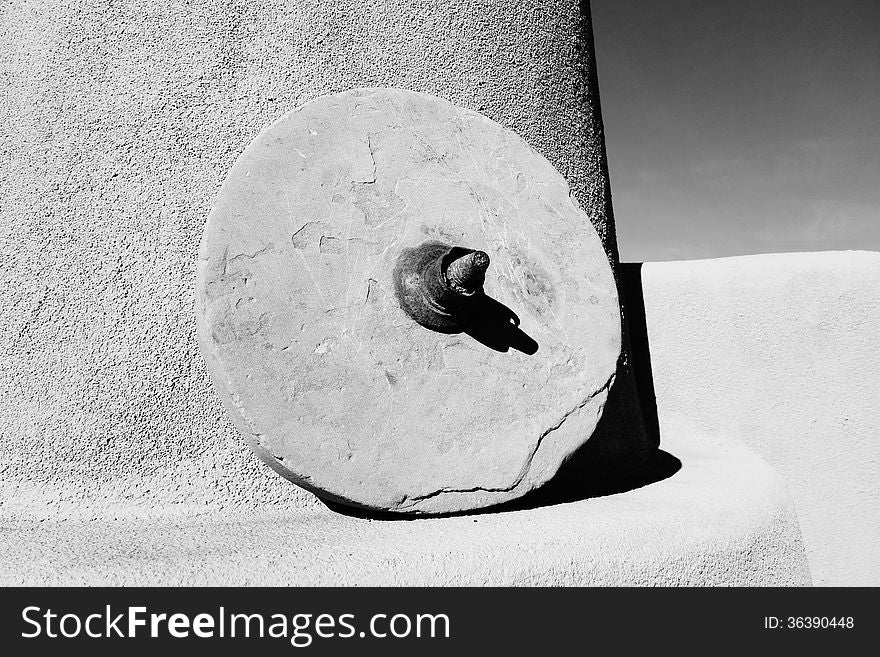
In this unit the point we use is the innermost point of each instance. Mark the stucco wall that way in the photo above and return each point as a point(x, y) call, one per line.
point(782, 352)
point(120, 121)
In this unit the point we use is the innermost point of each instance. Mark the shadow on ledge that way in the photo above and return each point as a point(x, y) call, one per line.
point(560, 490)
point(589, 472)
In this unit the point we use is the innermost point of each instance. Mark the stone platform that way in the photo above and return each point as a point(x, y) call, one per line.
point(723, 519)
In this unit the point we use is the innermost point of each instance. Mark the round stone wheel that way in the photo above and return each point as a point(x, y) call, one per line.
point(331, 382)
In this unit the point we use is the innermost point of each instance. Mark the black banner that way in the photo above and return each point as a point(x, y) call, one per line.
point(433, 621)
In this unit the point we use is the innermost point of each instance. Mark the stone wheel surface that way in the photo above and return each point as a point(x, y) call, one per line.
point(331, 382)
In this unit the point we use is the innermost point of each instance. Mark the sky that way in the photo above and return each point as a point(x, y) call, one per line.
point(741, 127)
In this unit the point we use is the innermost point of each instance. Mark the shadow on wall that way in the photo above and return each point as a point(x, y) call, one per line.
point(579, 478)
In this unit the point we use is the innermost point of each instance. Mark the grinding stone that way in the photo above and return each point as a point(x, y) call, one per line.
point(333, 385)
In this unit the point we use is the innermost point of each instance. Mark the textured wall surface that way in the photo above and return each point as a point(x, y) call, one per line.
point(120, 121)
point(782, 353)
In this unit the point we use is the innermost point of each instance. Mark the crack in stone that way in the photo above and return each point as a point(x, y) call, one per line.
point(412, 500)
point(249, 256)
point(372, 178)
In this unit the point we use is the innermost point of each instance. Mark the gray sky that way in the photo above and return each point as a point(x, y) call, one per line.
point(741, 127)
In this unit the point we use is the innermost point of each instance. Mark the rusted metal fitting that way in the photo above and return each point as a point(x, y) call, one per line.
point(437, 285)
